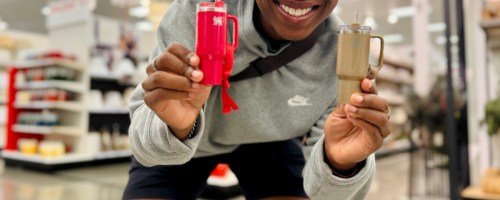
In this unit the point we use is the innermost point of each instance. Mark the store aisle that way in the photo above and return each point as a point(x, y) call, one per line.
point(107, 182)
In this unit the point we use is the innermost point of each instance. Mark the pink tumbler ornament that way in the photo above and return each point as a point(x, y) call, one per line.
point(216, 53)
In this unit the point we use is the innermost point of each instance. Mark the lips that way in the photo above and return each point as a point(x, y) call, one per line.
point(295, 8)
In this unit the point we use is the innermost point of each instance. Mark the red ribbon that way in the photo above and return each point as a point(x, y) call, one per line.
point(227, 101)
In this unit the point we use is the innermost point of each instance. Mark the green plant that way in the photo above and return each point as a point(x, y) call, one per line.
point(493, 116)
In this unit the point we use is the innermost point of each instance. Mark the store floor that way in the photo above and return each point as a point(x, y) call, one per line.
point(107, 182)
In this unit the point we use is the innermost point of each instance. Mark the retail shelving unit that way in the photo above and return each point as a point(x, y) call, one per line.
point(3, 102)
point(393, 80)
point(69, 20)
point(76, 118)
point(492, 28)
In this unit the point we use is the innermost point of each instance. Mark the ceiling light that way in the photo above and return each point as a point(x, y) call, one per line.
point(45, 10)
point(454, 39)
point(393, 38)
point(337, 10)
point(369, 21)
point(407, 11)
point(436, 27)
point(144, 26)
point(441, 40)
point(393, 19)
point(139, 12)
point(404, 11)
point(145, 2)
point(3, 26)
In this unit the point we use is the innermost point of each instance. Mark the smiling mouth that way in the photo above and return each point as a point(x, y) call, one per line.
point(293, 11)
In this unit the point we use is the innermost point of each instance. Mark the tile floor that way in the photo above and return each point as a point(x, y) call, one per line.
point(107, 182)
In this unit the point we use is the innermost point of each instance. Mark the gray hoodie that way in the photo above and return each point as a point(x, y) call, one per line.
point(290, 102)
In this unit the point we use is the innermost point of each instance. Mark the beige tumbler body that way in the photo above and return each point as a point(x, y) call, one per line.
point(352, 59)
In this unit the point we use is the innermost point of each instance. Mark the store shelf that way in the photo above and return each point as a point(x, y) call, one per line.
point(65, 85)
point(105, 76)
point(68, 158)
point(109, 111)
point(3, 100)
point(113, 154)
point(394, 147)
point(399, 64)
point(490, 24)
point(475, 192)
point(70, 106)
point(48, 62)
point(44, 130)
point(392, 79)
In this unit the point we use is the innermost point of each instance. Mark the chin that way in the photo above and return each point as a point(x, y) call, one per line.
point(294, 35)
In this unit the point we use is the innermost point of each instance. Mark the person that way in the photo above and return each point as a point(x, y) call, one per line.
point(179, 133)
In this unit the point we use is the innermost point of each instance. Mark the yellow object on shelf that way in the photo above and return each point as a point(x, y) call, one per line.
point(27, 146)
point(51, 149)
point(491, 181)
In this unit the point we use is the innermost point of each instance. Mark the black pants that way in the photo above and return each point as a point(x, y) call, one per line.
point(263, 170)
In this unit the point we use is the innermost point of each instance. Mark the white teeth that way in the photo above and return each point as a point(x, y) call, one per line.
point(295, 11)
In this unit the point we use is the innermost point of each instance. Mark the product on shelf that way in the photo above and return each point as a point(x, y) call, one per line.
point(491, 181)
point(44, 118)
point(46, 73)
point(27, 146)
point(51, 95)
point(51, 148)
point(491, 9)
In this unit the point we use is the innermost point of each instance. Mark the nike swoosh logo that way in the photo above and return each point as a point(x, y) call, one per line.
point(298, 101)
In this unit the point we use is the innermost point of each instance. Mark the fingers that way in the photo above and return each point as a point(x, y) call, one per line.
point(166, 80)
point(184, 54)
point(370, 108)
point(377, 118)
point(153, 98)
point(371, 101)
point(368, 87)
point(178, 60)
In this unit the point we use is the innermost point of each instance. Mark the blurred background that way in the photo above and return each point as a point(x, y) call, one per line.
point(68, 67)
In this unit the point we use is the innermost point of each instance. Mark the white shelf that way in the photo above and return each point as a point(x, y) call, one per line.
point(113, 154)
point(71, 106)
point(384, 78)
point(491, 23)
point(396, 146)
point(45, 130)
point(48, 62)
point(399, 64)
point(65, 85)
point(3, 100)
point(68, 158)
point(105, 76)
point(109, 111)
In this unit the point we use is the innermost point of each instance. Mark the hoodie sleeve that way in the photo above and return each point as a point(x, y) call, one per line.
point(319, 181)
point(151, 141)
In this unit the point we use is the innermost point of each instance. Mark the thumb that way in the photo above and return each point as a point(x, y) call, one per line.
point(339, 111)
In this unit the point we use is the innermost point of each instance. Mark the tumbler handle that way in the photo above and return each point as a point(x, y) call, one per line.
point(235, 30)
point(381, 56)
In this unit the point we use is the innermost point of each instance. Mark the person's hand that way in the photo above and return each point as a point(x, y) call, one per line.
point(356, 130)
point(172, 89)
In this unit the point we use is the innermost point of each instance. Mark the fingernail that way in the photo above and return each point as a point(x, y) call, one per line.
point(195, 85)
point(192, 59)
point(196, 73)
point(358, 98)
point(351, 108)
point(370, 84)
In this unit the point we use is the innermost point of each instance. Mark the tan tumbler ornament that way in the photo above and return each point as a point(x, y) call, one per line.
point(352, 58)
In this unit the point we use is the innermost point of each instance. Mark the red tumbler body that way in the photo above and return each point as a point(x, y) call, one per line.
point(211, 40)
